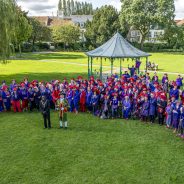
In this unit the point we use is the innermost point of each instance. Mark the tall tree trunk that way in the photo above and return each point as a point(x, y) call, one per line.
point(20, 51)
point(142, 41)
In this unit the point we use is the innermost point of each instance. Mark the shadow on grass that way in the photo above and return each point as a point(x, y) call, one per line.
point(174, 53)
point(47, 56)
point(41, 76)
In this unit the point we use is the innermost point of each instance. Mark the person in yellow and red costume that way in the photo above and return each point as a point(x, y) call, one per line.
point(63, 110)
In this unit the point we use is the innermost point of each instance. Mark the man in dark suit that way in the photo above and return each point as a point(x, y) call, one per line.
point(45, 110)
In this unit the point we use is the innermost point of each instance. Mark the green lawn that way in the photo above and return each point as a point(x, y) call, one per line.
point(92, 150)
point(59, 65)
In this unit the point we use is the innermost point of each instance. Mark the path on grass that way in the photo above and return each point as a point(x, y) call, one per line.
point(115, 69)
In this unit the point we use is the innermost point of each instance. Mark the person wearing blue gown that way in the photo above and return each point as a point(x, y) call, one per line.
point(70, 96)
point(6, 95)
point(114, 105)
point(89, 94)
point(76, 99)
point(152, 108)
point(126, 105)
point(176, 116)
point(94, 102)
point(145, 109)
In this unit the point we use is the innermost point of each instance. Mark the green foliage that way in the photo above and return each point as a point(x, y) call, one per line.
point(69, 7)
point(104, 25)
point(8, 22)
point(39, 33)
point(141, 14)
point(68, 34)
point(23, 29)
point(174, 36)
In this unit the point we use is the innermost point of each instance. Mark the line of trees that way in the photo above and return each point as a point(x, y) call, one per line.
point(71, 7)
point(137, 15)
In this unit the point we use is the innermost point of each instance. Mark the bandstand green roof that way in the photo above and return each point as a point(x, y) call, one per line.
point(117, 47)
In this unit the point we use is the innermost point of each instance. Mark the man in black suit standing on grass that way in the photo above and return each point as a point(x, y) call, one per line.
point(45, 110)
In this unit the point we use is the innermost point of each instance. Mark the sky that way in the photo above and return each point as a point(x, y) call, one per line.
point(49, 7)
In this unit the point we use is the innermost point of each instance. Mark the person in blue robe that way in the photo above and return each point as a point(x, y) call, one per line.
point(114, 105)
point(76, 100)
point(152, 108)
point(94, 102)
point(126, 105)
point(145, 109)
point(6, 95)
point(70, 96)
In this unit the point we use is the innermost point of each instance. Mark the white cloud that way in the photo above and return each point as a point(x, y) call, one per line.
point(49, 7)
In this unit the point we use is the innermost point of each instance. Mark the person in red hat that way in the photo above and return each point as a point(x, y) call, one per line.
point(24, 97)
point(6, 96)
point(161, 106)
point(55, 96)
point(16, 100)
point(82, 99)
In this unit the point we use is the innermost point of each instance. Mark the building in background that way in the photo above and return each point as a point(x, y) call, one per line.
point(154, 35)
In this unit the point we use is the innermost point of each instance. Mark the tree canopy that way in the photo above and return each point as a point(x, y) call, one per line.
point(39, 33)
point(104, 25)
point(71, 7)
point(141, 14)
point(67, 34)
point(8, 22)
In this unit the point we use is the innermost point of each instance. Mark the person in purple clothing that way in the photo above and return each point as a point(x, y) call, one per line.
point(165, 83)
point(89, 94)
point(76, 99)
point(168, 114)
point(174, 92)
point(126, 105)
point(132, 70)
point(176, 116)
point(155, 78)
point(1, 100)
point(114, 104)
point(145, 109)
point(13, 85)
point(152, 108)
point(181, 124)
point(179, 82)
point(70, 95)
point(6, 95)
point(137, 65)
point(94, 102)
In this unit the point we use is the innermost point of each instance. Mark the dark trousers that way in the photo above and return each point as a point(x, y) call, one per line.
point(152, 118)
point(160, 118)
point(46, 118)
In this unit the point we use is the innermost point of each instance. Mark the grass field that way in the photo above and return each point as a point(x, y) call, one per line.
point(59, 65)
point(91, 151)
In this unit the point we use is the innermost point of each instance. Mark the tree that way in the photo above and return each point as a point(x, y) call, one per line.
point(60, 5)
point(174, 36)
point(64, 8)
point(67, 34)
point(141, 14)
point(104, 25)
point(23, 29)
point(8, 21)
point(39, 33)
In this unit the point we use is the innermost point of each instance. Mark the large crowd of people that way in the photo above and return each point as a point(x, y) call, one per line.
point(130, 96)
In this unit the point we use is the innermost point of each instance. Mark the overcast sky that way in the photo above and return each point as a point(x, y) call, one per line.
point(49, 7)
